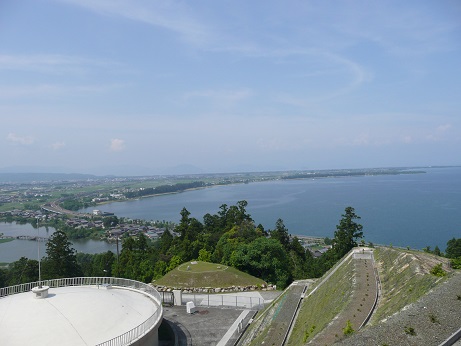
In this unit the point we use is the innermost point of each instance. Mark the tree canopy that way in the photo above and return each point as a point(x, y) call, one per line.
point(61, 259)
point(228, 237)
point(347, 233)
point(453, 248)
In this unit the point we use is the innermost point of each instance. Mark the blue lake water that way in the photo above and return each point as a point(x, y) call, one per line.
point(14, 250)
point(413, 210)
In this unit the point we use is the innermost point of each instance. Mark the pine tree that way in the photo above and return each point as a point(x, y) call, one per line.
point(61, 259)
point(347, 233)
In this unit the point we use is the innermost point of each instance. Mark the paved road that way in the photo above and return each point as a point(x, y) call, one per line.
point(207, 326)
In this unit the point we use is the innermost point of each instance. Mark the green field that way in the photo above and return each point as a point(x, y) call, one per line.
point(204, 274)
point(6, 240)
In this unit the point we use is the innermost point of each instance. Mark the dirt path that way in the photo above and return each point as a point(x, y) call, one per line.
point(360, 303)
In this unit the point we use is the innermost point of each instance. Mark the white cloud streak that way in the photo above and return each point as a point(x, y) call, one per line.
point(171, 15)
point(22, 140)
point(58, 145)
point(52, 63)
point(50, 90)
point(220, 95)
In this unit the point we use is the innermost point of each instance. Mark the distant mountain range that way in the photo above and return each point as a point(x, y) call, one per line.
point(66, 173)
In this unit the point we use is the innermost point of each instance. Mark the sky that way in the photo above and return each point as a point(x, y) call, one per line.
point(144, 87)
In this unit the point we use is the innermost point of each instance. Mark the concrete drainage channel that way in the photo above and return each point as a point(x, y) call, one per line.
point(295, 315)
point(455, 337)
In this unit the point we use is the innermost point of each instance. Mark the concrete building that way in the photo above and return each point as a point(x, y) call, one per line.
point(80, 311)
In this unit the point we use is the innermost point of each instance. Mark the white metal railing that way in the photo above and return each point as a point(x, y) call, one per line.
point(124, 339)
point(225, 300)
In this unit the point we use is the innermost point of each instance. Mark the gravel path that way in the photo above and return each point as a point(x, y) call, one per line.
point(427, 322)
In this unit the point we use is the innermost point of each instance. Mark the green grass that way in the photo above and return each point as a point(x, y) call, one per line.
point(6, 240)
point(11, 206)
point(204, 274)
point(323, 305)
point(404, 278)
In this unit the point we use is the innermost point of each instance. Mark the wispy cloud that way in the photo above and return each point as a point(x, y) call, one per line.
point(117, 144)
point(58, 145)
point(439, 133)
point(22, 140)
point(52, 63)
point(220, 95)
point(403, 29)
point(329, 64)
point(171, 15)
point(50, 90)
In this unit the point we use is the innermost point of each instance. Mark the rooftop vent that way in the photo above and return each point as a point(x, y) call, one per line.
point(41, 292)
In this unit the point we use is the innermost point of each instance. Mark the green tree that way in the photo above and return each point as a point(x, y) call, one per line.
point(136, 261)
point(146, 271)
point(165, 241)
point(280, 233)
point(3, 277)
point(22, 271)
point(160, 269)
point(347, 233)
point(183, 223)
point(85, 261)
point(264, 258)
point(174, 262)
point(453, 248)
point(96, 264)
point(61, 260)
point(110, 221)
point(236, 214)
point(298, 257)
point(204, 255)
point(233, 239)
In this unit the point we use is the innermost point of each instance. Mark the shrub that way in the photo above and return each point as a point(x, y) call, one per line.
point(308, 333)
point(456, 263)
point(348, 330)
point(410, 331)
point(433, 318)
point(438, 271)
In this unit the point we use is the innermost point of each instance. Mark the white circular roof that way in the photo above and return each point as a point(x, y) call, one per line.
point(75, 315)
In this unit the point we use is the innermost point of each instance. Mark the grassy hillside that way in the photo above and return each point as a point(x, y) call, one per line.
point(321, 307)
point(405, 277)
point(204, 274)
